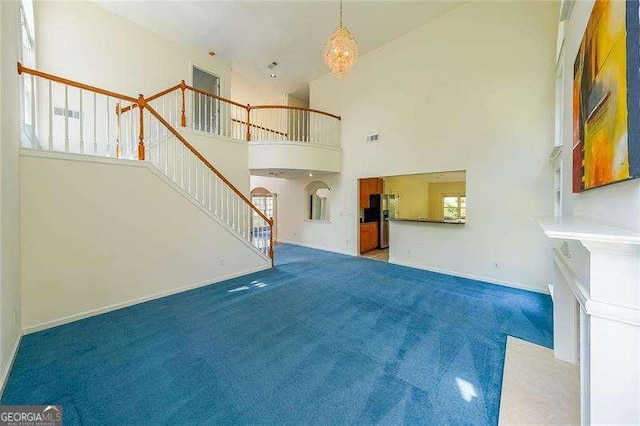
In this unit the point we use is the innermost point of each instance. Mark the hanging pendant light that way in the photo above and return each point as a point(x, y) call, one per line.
point(341, 50)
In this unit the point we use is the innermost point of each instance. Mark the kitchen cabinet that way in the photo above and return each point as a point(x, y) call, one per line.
point(368, 187)
point(368, 236)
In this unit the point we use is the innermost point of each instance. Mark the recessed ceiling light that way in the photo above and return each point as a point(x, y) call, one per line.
point(212, 53)
point(310, 174)
point(273, 75)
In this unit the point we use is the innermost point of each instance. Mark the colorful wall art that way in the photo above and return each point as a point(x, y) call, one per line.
point(606, 97)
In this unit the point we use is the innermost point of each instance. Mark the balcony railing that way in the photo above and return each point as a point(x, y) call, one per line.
point(185, 106)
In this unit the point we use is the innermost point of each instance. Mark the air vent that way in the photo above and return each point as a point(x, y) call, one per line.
point(373, 138)
point(69, 113)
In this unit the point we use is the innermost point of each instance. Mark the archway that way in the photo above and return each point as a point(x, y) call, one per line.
point(266, 201)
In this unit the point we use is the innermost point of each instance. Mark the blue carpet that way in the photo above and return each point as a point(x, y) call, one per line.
point(321, 338)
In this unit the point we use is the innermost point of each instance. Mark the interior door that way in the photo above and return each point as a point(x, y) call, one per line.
point(206, 110)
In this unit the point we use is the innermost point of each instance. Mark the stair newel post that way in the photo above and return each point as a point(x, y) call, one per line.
point(118, 129)
point(248, 122)
point(141, 104)
point(271, 240)
point(183, 117)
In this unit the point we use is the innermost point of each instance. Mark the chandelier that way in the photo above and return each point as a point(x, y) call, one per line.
point(341, 50)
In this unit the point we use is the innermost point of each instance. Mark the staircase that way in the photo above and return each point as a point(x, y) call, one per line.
point(62, 115)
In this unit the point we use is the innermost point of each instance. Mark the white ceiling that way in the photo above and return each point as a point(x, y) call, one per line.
point(251, 34)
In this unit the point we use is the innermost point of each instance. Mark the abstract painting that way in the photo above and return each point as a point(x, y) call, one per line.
point(606, 97)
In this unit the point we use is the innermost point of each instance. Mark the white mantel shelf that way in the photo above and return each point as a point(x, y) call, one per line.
point(609, 316)
point(574, 228)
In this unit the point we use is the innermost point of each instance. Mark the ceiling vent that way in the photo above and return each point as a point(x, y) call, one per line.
point(373, 138)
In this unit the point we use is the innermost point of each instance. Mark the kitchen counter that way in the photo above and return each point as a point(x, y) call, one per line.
point(426, 221)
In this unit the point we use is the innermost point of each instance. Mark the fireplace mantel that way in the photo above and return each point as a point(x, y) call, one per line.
point(609, 316)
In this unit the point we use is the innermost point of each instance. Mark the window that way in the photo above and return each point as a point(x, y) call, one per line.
point(317, 196)
point(27, 88)
point(266, 202)
point(454, 207)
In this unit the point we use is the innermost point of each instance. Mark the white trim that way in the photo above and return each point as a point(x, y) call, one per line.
point(116, 306)
point(582, 295)
point(592, 307)
point(295, 243)
point(86, 158)
point(9, 366)
point(66, 156)
point(585, 230)
point(473, 277)
point(295, 143)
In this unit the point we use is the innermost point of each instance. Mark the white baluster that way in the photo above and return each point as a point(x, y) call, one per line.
point(95, 124)
point(50, 117)
point(81, 125)
point(33, 111)
point(66, 118)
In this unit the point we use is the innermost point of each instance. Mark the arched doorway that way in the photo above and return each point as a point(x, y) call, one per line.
point(266, 201)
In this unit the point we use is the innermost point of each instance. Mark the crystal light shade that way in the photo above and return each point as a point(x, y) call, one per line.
point(341, 51)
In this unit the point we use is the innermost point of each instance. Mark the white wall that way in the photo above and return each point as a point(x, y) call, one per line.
point(99, 234)
point(244, 91)
point(82, 41)
point(471, 90)
point(229, 156)
point(10, 291)
point(293, 156)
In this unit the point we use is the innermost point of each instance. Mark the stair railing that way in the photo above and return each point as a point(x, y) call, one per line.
point(67, 116)
point(84, 119)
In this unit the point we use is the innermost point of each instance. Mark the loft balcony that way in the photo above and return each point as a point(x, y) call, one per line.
point(283, 141)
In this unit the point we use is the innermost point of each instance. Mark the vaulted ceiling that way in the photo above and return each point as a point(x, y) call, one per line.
point(251, 34)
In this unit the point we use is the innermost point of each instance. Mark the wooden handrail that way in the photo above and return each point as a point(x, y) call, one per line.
point(235, 120)
point(129, 108)
point(22, 69)
point(152, 98)
point(164, 92)
point(207, 163)
point(337, 117)
point(220, 98)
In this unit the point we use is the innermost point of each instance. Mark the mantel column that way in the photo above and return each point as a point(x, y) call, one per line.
point(613, 323)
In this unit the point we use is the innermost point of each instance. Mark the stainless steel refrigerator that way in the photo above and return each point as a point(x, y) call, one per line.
point(388, 210)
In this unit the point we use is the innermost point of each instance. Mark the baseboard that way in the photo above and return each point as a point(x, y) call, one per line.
point(295, 243)
point(116, 306)
point(473, 277)
point(7, 369)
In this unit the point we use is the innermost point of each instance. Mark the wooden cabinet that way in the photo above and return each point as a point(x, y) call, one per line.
point(368, 187)
point(378, 186)
point(368, 236)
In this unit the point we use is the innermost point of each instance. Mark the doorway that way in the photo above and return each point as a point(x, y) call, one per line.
point(206, 109)
point(266, 202)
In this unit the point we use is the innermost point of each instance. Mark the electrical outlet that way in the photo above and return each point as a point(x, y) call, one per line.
point(347, 243)
point(409, 251)
point(495, 264)
point(15, 316)
point(222, 261)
